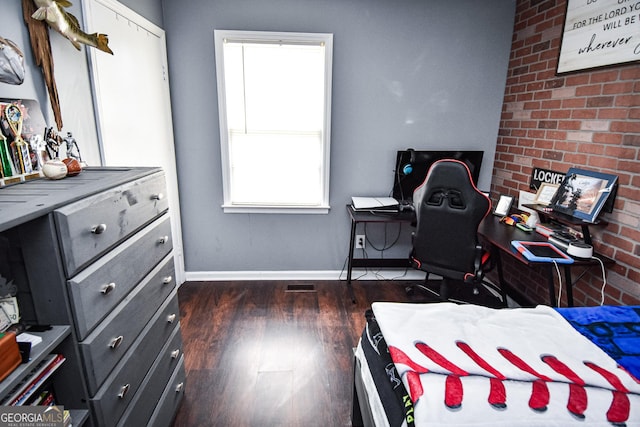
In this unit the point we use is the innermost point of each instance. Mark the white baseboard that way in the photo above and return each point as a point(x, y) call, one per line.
point(356, 274)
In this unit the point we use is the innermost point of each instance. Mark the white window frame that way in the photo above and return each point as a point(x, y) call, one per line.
point(270, 37)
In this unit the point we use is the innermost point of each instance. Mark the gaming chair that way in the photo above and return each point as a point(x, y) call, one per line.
point(449, 209)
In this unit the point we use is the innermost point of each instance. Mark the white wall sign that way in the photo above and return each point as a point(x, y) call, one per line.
point(599, 33)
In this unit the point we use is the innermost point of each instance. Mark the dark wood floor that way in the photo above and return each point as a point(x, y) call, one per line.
point(258, 354)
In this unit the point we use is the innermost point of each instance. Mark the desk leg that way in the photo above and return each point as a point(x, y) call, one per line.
point(552, 288)
point(568, 285)
point(352, 242)
point(495, 252)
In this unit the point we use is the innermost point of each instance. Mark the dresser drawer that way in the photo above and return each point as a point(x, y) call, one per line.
point(109, 341)
point(90, 227)
point(121, 388)
point(97, 289)
point(146, 399)
point(174, 392)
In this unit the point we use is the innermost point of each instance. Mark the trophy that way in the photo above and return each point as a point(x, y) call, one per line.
point(6, 166)
point(13, 116)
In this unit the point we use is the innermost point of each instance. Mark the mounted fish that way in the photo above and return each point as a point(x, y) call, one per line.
point(11, 63)
point(41, 50)
point(53, 13)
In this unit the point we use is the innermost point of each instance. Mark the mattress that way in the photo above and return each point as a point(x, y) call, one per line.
point(464, 365)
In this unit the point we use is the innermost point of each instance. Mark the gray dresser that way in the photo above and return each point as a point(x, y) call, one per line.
point(94, 253)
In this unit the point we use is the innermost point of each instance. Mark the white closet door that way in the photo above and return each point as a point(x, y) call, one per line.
point(132, 100)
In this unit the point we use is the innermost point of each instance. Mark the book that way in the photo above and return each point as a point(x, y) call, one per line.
point(40, 398)
point(43, 370)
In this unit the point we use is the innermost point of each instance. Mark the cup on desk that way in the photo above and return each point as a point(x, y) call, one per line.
point(533, 220)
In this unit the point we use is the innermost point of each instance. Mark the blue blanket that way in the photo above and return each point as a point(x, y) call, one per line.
point(616, 330)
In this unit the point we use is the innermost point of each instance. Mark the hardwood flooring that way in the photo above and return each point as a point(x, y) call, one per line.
point(258, 354)
point(272, 354)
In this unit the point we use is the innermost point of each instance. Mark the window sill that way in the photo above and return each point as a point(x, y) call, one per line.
point(276, 209)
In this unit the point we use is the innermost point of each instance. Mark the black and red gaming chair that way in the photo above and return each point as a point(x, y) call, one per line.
point(449, 209)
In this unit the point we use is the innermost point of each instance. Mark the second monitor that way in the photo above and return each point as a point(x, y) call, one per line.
point(412, 167)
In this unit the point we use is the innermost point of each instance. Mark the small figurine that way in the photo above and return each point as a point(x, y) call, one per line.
point(72, 147)
point(53, 142)
point(38, 151)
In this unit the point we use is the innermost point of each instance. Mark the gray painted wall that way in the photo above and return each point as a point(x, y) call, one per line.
point(150, 9)
point(409, 73)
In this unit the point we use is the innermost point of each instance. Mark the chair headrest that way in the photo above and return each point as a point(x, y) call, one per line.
point(451, 173)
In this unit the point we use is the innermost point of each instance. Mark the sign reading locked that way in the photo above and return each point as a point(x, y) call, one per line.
point(539, 176)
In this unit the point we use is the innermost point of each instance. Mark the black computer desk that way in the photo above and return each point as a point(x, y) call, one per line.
point(493, 232)
point(499, 236)
point(384, 217)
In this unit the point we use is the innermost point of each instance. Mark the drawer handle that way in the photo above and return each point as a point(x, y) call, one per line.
point(164, 239)
point(99, 229)
point(116, 342)
point(158, 196)
point(179, 387)
point(167, 280)
point(171, 318)
point(106, 289)
point(175, 353)
point(123, 391)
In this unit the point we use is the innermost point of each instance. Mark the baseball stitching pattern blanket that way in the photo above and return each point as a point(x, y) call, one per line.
point(466, 365)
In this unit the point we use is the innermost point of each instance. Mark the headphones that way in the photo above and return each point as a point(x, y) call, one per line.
point(408, 168)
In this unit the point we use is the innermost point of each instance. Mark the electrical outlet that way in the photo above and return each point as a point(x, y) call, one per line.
point(360, 239)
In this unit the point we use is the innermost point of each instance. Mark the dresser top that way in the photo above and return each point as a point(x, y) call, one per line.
point(23, 202)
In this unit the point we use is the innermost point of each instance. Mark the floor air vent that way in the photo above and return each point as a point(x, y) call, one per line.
point(301, 288)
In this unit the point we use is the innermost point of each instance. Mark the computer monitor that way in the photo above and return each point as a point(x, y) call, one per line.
point(412, 167)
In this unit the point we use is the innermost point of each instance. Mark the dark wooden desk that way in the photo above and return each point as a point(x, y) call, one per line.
point(500, 235)
point(358, 217)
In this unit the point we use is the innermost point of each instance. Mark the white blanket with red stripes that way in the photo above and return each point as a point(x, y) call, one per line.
point(467, 365)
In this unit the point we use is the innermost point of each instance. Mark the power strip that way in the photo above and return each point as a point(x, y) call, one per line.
point(580, 250)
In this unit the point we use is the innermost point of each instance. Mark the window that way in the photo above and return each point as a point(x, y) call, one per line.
point(274, 97)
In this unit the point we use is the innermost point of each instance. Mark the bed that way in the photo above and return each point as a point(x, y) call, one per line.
point(445, 364)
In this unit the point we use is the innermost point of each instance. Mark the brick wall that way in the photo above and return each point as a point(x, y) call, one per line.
point(588, 119)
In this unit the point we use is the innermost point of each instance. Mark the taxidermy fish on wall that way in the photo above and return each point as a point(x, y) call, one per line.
point(11, 63)
point(53, 13)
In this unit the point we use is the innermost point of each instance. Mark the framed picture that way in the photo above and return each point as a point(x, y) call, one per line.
point(598, 33)
point(503, 206)
point(545, 194)
point(583, 193)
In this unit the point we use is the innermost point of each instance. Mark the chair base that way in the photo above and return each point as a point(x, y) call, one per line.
point(485, 294)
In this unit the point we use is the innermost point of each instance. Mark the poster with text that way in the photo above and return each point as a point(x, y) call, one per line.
point(599, 33)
